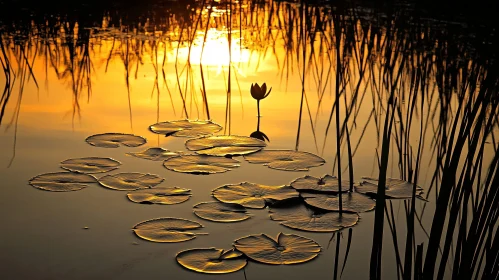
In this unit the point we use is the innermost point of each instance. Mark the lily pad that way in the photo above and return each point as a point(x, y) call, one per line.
point(287, 249)
point(212, 260)
point(351, 202)
point(185, 128)
point(200, 164)
point(299, 216)
point(221, 212)
point(253, 195)
point(167, 230)
point(166, 196)
point(327, 183)
point(90, 164)
point(156, 154)
point(395, 188)
point(130, 181)
point(62, 181)
point(286, 159)
point(114, 140)
point(225, 145)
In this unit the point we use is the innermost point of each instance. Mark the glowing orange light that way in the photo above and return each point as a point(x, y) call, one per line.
point(215, 51)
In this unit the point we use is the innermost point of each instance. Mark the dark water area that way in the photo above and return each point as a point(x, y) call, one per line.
point(370, 153)
point(480, 12)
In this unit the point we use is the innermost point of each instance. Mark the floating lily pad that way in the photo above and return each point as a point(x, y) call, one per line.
point(167, 230)
point(212, 260)
point(130, 181)
point(156, 154)
point(299, 216)
point(167, 196)
point(327, 183)
point(62, 181)
point(185, 128)
point(221, 212)
point(200, 164)
point(287, 249)
point(253, 195)
point(225, 145)
point(90, 164)
point(286, 159)
point(114, 140)
point(351, 202)
point(395, 188)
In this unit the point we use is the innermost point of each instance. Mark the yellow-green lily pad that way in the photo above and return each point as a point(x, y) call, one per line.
point(326, 183)
point(351, 201)
point(395, 188)
point(200, 164)
point(299, 216)
point(287, 249)
point(90, 164)
point(167, 230)
point(221, 212)
point(156, 154)
point(253, 195)
point(130, 181)
point(62, 181)
point(225, 145)
point(212, 260)
point(288, 160)
point(163, 195)
point(185, 128)
point(114, 140)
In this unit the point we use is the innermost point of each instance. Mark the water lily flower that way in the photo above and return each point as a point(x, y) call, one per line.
point(259, 93)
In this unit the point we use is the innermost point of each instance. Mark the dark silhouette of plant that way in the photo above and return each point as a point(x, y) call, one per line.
point(259, 93)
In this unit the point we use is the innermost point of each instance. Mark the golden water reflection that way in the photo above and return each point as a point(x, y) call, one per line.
point(101, 79)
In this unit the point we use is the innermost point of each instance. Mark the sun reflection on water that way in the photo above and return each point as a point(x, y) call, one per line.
point(215, 49)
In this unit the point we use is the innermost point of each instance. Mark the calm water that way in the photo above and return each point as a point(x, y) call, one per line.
point(75, 79)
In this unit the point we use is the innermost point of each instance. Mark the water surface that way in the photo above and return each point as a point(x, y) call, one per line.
point(69, 79)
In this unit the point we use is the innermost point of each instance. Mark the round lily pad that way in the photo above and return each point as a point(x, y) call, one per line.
point(327, 183)
point(395, 188)
point(212, 260)
point(351, 201)
point(299, 216)
point(167, 230)
point(156, 154)
point(114, 140)
point(167, 196)
point(225, 145)
point(286, 159)
point(220, 212)
point(130, 181)
point(90, 164)
point(62, 181)
point(185, 128)
point(253, 195)
point(287, 249)
point(200, 164)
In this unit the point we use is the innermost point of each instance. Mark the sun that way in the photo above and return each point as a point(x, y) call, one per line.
point(215, 50)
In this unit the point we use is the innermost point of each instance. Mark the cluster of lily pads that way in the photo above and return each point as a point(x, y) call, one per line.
point(308, 203)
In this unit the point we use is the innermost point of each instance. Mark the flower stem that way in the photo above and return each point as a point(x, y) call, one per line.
point(258, 106)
